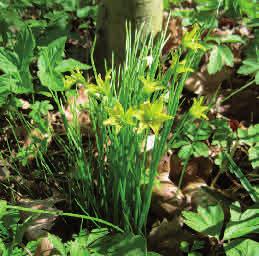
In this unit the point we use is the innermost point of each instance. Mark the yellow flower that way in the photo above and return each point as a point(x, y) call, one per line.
point(103, 87)
point(150, 115)
point(75, 77)
point(191, 39)
point(197, 110)
point(118, 117)
point(182, 67)
point(150, 86)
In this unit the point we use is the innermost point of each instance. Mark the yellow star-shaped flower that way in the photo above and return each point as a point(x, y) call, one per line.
point(198, 110)
point(118, 117)
point(150, 115)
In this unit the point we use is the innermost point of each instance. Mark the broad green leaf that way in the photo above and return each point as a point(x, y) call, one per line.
point(220, 55)
point(32, 245)
point(180, 142)
point(253, 155)
point(57, 244)
point(200, 149)
point(232, 39)
point(207, 221)
point(7, 83)
point(242, 224)
point(96, 234)
point(242, 247)
point(198, 133)
point(250, 66)
point(8, 61)
point(235, 211)
point(40, 109)
point(250, 135)
point(223, 134)
point(185, 152)
point(16, 63)
point(77, 249)
point(70, 65)
point(87, 11)
point(50, 58)
point(205, 5)
point(24, 47)
point(121, 244)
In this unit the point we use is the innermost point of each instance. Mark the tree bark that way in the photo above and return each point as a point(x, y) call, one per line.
point(111, 21)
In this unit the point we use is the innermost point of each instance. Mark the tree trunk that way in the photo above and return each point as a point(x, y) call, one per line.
point(111, 21)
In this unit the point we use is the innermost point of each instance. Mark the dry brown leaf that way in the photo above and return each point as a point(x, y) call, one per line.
point(44, 248)
point(4, 171)
point(165, 237)
point(41, 223)
point(202, 83)
point(167, 199)
point(197, 168)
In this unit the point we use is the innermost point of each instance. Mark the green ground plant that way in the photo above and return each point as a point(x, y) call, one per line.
point(209, 221)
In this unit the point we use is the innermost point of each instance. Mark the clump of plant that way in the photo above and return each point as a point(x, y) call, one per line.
point(126, 107)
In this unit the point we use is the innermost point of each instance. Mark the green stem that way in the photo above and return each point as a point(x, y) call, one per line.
point(61, 213)
point(238, 90)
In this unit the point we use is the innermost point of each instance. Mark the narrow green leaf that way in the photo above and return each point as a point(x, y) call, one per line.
point(242, 178)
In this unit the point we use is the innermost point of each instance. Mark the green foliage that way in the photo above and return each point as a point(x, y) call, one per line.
point(250, 137)
point(209, 221)
point(191, 140)
point(15, 65)
point(192, 250)
point(220, 56)
point(100, 242)
point(250, 66)
point(240, 247)
point(241, 224)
